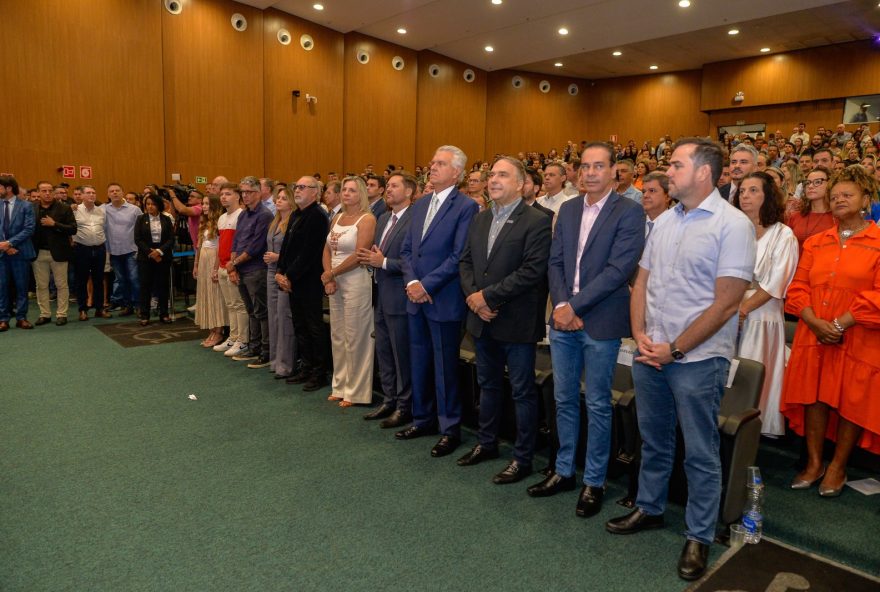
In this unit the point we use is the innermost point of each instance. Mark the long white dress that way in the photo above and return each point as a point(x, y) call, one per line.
point(763, 333)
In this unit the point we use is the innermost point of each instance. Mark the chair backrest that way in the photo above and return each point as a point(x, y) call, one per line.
point(745, 393)
point(623, 378)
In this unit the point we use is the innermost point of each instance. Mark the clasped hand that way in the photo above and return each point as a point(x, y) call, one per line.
point(564, 319)
point(416, 293)
point(653, 354)
point(372, 257)
point(477, 303)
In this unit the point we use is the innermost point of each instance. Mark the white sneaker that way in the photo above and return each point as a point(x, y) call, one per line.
point(192, 308)
point(222, 347)
point(246, 355)
point(235, 349)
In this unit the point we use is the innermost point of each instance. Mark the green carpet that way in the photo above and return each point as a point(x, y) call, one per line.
point(113, 479)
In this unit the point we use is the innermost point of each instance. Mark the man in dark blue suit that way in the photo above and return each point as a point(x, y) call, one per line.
point(376, 195)
point(430, 255)
point(16, 252)
point(390, 318)
point(597, 243)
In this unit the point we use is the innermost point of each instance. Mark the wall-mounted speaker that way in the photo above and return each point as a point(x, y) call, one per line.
point(173, 6)
point(517, 81)
point(283, 36)
point(573, 89)
point(397, 63)
point(239, 23)
point(434, 70)
point(469, 75)
point(363, 56)
point(306, 42)
point(544, 86)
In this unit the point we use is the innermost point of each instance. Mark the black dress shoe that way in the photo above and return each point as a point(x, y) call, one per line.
point(61, 321)
point(42, 321)
point(298, 378)
point(415, 431)
point(590, 501)
point(552, 485)
point(477, 455)
point(446, 445)
point(548, 470)
point(281, 376)
point(381, 412)
point(634, 522)
point(692, 563)
point(315, 383)
point(395, 420)
point(513, 473)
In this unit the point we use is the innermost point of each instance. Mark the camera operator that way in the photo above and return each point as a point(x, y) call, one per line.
point(192, 209)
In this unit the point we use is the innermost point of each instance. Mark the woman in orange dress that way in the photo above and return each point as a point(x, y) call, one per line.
point(832, 382)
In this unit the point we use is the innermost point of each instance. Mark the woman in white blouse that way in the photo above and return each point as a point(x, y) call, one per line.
point(154, 237)
point(762, 336)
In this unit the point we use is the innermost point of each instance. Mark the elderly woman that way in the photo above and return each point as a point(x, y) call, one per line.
point(762, 337)
point(833, 377)
point(814, 216)
point(349, 286)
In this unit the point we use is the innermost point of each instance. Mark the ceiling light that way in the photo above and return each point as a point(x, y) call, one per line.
point(489, 48)
point(318, 6)
point(765, 49)
point(733, 32)
point(563, 31)
point(558, 64)
point(653, 67)
point(496, 2)
point(617, 54)
point(684, 3)
point(402, 31)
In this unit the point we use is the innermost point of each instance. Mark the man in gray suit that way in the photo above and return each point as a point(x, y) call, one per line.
point(392, 334)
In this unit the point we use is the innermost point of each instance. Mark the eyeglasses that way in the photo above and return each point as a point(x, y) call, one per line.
point(814, 182)
point(304, 187)
point(250, 191)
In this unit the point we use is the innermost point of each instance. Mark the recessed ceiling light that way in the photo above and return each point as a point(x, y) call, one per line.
point(318, 6)
point(402, 31)
point(617, 54)
point(558, 64)
point(684, 3)
point(765, 49)
point(563, 31)
point(653, 67)
point(496, 2)
point(733, 32)
point(489, 48)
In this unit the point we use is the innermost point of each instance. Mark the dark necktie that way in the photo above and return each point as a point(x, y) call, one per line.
point(6, 218)
point(650, 228)
point(388, 234)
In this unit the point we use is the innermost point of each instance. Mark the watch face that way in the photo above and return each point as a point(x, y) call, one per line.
point(677, 355)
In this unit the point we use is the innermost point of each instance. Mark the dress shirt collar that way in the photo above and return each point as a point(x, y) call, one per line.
point(399, 214)
point(599, 204)
point(499, 211)
point(711, 203)
point(442, 195)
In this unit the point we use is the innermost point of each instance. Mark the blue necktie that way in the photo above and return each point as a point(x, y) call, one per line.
point(6, 218)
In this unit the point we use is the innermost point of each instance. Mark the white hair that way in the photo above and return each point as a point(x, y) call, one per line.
point(459, 158)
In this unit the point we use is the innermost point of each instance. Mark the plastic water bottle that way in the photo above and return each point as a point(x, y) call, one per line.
point(753, 512)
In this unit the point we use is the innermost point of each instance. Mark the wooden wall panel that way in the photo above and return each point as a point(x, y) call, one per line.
point(826, 113)
point(379, 115)
point(646, 107)
point(806, 75)
point(449, 109)
point(83, 87)
point(213, 91)
point(302, 138)
point(525, 119)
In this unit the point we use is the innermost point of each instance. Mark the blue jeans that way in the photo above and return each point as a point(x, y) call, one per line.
point(575, 353)
point(126, 271)
point(14, 271)
point(492, 356)
point(689, 394)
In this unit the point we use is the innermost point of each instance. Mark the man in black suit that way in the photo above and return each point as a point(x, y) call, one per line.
point(376, 194)
point(55, 225)
point(743, 161)
point(391, 324)
point(531, 185)
point(299, 273)
point(503, 268)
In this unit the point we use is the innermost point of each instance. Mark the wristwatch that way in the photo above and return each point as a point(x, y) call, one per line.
point(677, 355)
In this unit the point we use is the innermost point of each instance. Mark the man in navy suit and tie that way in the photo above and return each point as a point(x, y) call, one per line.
point(502, 274)
point(390, 318)
point(16, 252)
point(430, 255)
point(597, 243)
point(376, 195)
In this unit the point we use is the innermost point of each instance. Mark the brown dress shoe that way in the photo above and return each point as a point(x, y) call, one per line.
point(42, 321)
point(83, 315)
point(4, 326)
point(103, 315)
point(24, 324)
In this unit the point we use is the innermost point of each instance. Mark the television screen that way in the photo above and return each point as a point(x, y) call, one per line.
point(864, 109)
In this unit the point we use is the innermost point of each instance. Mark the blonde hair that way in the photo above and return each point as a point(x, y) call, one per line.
point(209, 217)
point(280, 221)
point(363, 200)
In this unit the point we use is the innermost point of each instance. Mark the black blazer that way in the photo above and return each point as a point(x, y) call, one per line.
point(143, 238)
point(390, 291)
point(541, 208)
point(58, 236)
point(302, 251)
point(513, 277)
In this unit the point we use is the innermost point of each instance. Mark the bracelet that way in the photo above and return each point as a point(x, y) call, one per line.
point(837, 326)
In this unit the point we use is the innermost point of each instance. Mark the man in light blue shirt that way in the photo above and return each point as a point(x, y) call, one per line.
point(697, 265)
point(119, 221)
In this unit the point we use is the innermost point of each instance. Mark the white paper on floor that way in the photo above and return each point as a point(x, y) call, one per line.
point(866, 486)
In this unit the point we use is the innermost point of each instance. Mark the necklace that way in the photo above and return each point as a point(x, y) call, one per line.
point(845, 234)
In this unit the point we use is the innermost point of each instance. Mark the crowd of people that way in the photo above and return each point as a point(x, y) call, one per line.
point(695, 249)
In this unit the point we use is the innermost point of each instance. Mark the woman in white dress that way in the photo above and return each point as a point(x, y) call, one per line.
point(349, 286)
point(762, 336)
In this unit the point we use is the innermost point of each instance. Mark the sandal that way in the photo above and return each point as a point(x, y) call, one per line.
point(345, 404)
point(334, 398)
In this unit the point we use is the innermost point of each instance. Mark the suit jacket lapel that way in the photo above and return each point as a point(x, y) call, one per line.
point(394, 231)
point(600, 220)
point(505, 229)
point(447, 205)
